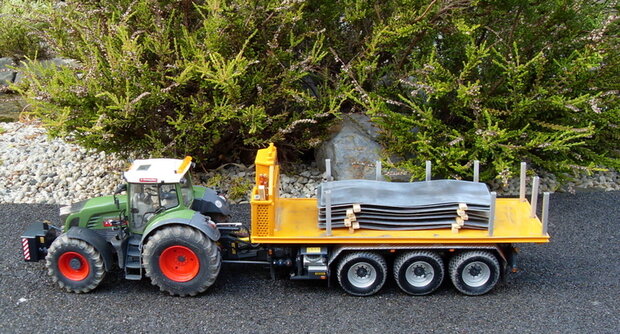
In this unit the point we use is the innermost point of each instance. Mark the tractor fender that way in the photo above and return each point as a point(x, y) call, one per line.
point(198, 221)
point(91, 237)
point(208, 201)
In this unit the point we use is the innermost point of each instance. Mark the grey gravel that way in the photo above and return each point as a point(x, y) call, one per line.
point(570, 285)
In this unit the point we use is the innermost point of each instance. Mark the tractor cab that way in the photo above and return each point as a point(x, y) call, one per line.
point(156, 186)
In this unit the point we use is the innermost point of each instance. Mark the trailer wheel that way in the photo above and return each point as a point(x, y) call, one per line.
point(419, 272)
point(74, 265)
point(474, 273)
point(362, 273)
point(181, 261)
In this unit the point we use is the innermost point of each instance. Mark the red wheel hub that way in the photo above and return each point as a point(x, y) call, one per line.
point(179, 263)
point(73, 266)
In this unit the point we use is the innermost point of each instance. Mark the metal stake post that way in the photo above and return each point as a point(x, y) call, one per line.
point(328, 169)
point(492, 214)
point(522, 182)
point(428, 170)
point(545, 213)
point(476, 171)
point(328, 212)
point(534, 201)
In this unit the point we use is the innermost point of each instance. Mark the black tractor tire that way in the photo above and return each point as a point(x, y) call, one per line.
point(419, 273)
point(362, 273)
point(74, 265)
point(181, 260)
point(474, 273)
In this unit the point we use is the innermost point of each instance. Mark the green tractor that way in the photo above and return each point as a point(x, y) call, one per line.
point(157, 224)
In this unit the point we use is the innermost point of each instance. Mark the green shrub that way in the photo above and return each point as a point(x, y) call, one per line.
point(214, 79)
point(497, 81)
point(447, 81)
point(21, 22)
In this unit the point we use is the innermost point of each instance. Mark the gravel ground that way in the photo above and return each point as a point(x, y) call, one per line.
point(568, 286)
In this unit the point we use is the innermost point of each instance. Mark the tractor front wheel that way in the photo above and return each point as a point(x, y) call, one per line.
point(181, 260)
point(74, 264)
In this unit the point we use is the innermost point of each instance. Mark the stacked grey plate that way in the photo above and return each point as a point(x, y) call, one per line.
point(379, 205)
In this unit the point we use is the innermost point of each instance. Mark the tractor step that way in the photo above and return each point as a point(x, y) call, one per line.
point(133, 263)
point(133, 277)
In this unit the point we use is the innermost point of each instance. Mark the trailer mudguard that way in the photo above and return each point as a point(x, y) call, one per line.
point(91, 237)
point(208, 201)
point(198, 221)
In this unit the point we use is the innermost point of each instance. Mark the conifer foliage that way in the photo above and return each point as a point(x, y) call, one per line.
point(446, 80)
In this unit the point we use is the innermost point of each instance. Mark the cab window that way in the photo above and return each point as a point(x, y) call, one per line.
point(187, 190)
point(168, 196)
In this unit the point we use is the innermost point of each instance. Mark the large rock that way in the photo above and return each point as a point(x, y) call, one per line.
point(47, 63)
point(352, 148)
point(7, 75)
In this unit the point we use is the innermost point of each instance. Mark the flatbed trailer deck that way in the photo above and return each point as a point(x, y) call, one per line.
point(295, 222)
point(278, 220)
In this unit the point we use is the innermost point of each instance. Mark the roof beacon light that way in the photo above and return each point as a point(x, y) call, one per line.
point(184, 164)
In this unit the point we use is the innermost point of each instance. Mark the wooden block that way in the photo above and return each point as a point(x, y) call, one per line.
point(347, 222)
point(462, 215)
point(357, 208)
point(455, 228)
point(460, 222)
point(462, 206)
point(355, 225)
point(351, 215)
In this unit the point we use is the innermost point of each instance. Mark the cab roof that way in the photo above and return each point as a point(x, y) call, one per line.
point(157, 170)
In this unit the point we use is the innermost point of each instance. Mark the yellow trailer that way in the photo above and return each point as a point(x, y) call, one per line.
point(420, 259)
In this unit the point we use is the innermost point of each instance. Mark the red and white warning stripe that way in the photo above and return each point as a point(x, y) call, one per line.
point(26, 248)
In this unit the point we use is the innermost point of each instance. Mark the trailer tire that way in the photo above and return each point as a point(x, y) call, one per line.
point(419, 273)
point(474, 273)
point(74, 265)
point(181, 260)
point(362, 273)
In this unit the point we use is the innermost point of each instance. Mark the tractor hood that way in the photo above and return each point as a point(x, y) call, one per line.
point(78, 214)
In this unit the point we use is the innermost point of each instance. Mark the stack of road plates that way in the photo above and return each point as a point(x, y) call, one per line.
point(422, 205)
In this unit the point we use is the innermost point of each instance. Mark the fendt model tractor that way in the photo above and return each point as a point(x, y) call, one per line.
point(358, 232)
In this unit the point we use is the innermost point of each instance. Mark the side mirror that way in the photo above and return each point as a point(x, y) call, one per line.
point(121, 187)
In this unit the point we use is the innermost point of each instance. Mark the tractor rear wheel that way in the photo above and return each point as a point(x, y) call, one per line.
point(181, 260)
point(74, 264)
